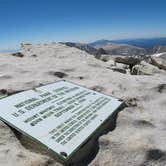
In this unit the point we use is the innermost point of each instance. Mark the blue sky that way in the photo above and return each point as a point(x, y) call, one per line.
point(38, 21)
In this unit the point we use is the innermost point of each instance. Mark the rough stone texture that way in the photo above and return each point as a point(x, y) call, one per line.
point(13, 153)
point(120, 70)
point(144, 69)
point(139, 137)
point(159, 62)
point(18, 54)
point(128, 60)
point(99, 52)
point(105, 58)
point(163, 56)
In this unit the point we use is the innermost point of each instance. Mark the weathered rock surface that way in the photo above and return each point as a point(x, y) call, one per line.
point(139, 137)
point(159, 62)
point(18, 54)
point(144, 69)
point(128, 60)
point(120, 70)
point(104, 58)
point(99, 52)
point(13, 153)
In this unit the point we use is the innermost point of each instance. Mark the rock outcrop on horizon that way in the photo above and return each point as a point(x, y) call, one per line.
point(84, 47)
point(138, 137)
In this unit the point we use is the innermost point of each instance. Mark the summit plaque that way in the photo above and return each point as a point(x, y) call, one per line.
point(61, 116)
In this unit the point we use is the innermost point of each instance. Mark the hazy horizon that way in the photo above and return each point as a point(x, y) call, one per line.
point(79, 21)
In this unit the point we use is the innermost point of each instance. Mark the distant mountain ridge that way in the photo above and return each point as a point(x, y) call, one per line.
point(85, 47)
point(148, 43)
point(122, 49)
point(108, 48)
point(99, 42)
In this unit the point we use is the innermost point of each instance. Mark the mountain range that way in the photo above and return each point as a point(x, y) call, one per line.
point(144, 43)
point(133, 47)
point(122, 49)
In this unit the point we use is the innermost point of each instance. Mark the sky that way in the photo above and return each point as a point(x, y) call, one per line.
point(39, 21)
